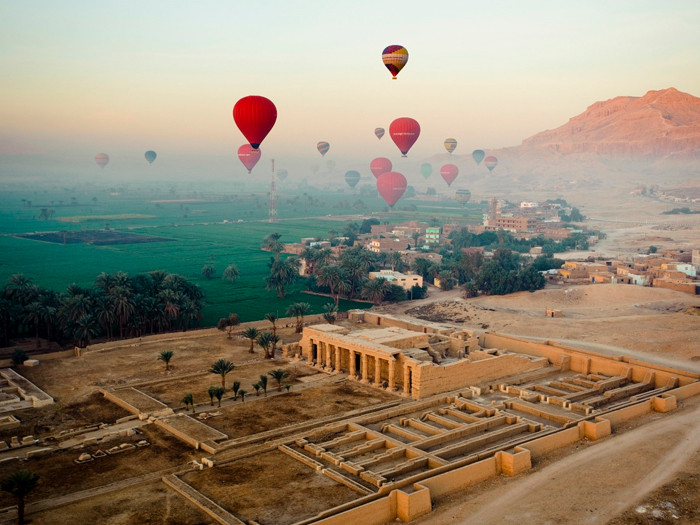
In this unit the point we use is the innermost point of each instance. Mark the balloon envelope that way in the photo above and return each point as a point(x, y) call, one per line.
point(150, 156)
point(490, 162)
point(379, 132)
point(248, 156)
point(352, 177)
point(102, 159)
point(464, 196)
point(450, 145)
point(394, 58)
point(323, 148)
point(391, 186)
point(255, 117)
point(449, 173)
point(426, 169)
point(282, 174)
point(478, 155)
point(404, 132)
point(380, 165)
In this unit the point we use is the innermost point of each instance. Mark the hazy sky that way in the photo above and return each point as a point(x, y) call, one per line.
point(123, 77)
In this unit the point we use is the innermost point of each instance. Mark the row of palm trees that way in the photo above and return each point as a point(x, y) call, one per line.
point(117, 305)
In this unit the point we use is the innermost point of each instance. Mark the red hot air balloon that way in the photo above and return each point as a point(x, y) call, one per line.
point(380, 165)
point(490, 162)
point(255, 117)
point(394, 58)
point(248, 156)
point(391, 186)
point(449, 173)
point(404, 132)
point(379, 132)
point(323, 148)
point(102, 159)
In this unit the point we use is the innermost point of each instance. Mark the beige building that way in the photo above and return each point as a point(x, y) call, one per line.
point(405, 281)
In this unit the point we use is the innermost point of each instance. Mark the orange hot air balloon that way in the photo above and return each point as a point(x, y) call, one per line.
point(101, 159)
point(249, 156)
point(394, 58)
point(379, 132)
point(255, 117)
point(380, 165)
point(391, 186)
point(450, 145)
point(490, 162)
point(404, 132)
point(449, 173)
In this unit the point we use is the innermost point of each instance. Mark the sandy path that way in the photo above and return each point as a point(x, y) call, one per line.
point(591, 486)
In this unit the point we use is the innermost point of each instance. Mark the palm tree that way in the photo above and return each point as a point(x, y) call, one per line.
point(123, 306)
point(375, 289)
point(272, 243)
point(212, 393)
point(105, 313)
point(166, 356)
point(19, 484)
point(187, 400)
point(257, 387)
point(282, 274)
point(268, 342)
point(219, 393)
point(252, 334)
point(84, 329)
point(331, 313)
point(299, 310)
point(222, 367)
point(263, 383)
point(242, 394)
point(33, 314)
point(273, 319)
point(278, 375)
point(208, 271)
point(231, 273)
point(236, 386)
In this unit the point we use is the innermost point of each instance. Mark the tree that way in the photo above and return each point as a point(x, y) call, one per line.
point(228, 323)
point(83, 330)
point(20, 484)
point(299, 310)
point(375, 289)
point(263, 383)
point(257, 387)
point(278, 375)
point(235, 388)
point(273, 320)
point(251, 334)
point(331, 313)
point(393, 259)
point(218, 394)
point(242, 393)
point(208, 271)
point(222, 367)
point(282, 274)
point(272, 244)
point(212, 393)
point(166, 356)
point(19, 356)
point(268, 341)
point(187, 400)
point(231, 273)
point(395, 293)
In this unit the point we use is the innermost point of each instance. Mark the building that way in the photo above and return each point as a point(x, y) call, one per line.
point(432, 235)
point(392, 244)
point(405, 281)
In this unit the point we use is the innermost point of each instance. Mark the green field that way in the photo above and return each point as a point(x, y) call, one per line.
point(205, 229)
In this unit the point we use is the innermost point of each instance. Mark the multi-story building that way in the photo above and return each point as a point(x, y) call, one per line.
point(405, 281)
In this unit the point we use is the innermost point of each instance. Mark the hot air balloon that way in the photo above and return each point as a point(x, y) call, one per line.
point(323, 148)
point(450, 145)
point(391, 186)
point(490, 162)
point(380, 165)
point(394, 58)
point(426, 169)
point(379, 132)
point(255, 117)
point(102, 159)
point(282, 174)
point(478, 155)
point(352, 177)
point(150, 156)
point(404, 132)
point(449, 173)
point(463, 196)
point(249, 156)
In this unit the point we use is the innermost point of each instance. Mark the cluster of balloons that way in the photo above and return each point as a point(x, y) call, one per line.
point(102, 159)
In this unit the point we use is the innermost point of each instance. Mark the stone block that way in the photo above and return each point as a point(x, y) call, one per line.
point(207, 462)
point(31, 362)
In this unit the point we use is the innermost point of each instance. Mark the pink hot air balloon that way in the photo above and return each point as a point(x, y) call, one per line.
point(404, 132)
point(249, 156)
point(102, 159)
point(380, 165)
point(490, 162)
point(391, 186)
point(449, 173)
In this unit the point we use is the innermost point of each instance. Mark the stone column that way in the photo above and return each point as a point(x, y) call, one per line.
point(392, 371)
point(337, 359)
point(406, 379)
point(363, 365)
point(351, 364)
point(310, 358)
point(329, 362)
point(377, 371)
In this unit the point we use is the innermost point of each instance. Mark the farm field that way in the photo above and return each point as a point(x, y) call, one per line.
point(216, 229)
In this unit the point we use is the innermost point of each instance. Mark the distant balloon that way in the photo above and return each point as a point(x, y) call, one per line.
point(323, 148)
point(490, 162)
point(248, 156)
point(450, 145)
point(478, 155)
point(379, 132)
point(255, 117)
point(463, 196)
point(394, 58)
point(449, 173)
point(380, 165)
point(282, 174)
point(426, 169)
point(102, 159)
point(330, 164)
point(404, 132)
point(150, 156)
point(391, 186)
point(352, 177)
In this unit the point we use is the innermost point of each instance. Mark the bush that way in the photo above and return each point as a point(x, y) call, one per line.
point(19, 357)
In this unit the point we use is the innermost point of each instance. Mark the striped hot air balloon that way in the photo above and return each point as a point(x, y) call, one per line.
point(490, 162)
point(323, 148)
point(101, 159)
point(450, 145)
point(379, 132)
point(394, 58)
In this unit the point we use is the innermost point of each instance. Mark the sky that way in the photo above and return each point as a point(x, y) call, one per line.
point(82, 77)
